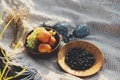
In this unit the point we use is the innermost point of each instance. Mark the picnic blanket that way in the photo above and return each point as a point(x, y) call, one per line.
point(102, 17)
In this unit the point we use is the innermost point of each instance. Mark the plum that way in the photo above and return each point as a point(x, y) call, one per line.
point(62, 28)
point(81, 31)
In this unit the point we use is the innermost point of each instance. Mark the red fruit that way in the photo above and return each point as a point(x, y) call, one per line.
point(52, 41)
point(43, 48)
point(44, 36)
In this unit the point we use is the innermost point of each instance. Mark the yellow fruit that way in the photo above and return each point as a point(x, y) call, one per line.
point(52, 32)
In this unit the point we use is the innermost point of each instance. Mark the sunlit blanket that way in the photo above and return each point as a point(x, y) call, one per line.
point(102, 17)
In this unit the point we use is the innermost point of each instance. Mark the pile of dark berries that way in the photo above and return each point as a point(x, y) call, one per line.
point(79, 59)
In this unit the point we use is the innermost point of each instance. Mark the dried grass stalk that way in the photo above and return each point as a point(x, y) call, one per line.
point(17, 23)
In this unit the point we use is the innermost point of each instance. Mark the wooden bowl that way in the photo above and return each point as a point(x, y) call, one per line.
point(98, 55)
point(54, 50)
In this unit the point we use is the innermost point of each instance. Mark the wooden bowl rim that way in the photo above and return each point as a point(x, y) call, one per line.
point(79, 73)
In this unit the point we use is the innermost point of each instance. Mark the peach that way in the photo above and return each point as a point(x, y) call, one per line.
point(44, 36)
point(44, 48)
point(52, 41)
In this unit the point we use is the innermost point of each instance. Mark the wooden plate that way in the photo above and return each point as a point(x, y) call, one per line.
point(89, 47)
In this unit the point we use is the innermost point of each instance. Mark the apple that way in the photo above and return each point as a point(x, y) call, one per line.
point(43, 47)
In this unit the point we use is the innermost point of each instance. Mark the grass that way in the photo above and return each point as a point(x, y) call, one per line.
point(4, 71)
point(6, 26)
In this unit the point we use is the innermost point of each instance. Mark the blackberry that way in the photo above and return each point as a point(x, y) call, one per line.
point(79, 59)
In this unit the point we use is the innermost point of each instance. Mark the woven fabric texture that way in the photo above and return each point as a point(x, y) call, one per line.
point(102, 17)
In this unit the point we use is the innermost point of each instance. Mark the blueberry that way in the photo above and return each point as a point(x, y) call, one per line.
point(79, 59)
point(81, 31)
point(62, 28)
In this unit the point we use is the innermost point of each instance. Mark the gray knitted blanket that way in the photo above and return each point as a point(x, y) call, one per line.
point(102, 17)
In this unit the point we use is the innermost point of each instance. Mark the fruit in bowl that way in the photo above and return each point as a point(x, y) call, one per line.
point(42, 41)
point(44, 36)
point(44, 48)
